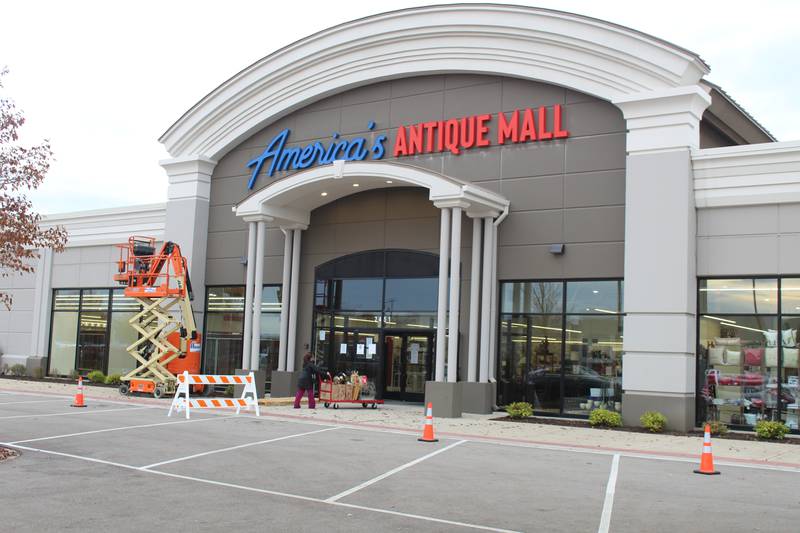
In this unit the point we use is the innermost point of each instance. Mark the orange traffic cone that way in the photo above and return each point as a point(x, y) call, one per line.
point(79, 395)
point(707, 458)
point(427, 433)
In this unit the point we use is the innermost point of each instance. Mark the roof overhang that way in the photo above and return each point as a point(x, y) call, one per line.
point(289, 201)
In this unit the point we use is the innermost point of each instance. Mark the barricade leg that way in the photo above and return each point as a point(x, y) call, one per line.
point(181, 399)
point(249, 394)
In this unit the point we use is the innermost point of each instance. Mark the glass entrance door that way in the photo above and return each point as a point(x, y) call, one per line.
point(407, 363)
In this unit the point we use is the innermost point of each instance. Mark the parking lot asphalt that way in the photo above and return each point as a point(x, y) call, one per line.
point(126, 466)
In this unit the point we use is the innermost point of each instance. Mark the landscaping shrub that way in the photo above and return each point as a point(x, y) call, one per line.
point(73, 374)
point(519, 410)
point(96, 376)
point(653, 421)
point(38, 372)
point(717, 427)
point(18, 370)
point(113, 379)
point(605, 418)
point(767, 429)
point(229, 391)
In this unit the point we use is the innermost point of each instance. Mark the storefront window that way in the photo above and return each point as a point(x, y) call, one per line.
point(593, 363)
point(739, 296)
point(561, 362)
point(358, 294)
point(594, 297)
point(79, 331)
point(224, 329)
point(366, 323)
point(411, 294)
point(64, 332)
point(224, 326)
point(747, 353)
point(532, 297)
point(122, 334)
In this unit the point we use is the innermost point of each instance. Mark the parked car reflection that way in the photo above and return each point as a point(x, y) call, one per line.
point(544, 384)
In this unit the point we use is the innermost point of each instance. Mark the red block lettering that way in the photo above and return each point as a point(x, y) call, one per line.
point(557, 118)
point(467, 132)
point(483, 129)
point(543, 133)
point(429, 128)
point(400, 144)
point(508, 129)
point(528, 132)
point(415, 139)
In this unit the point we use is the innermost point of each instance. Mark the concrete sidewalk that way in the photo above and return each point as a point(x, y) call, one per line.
point(404, 417)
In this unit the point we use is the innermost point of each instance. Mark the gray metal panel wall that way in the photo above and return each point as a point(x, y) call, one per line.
point(570, 191)
point(748, 240)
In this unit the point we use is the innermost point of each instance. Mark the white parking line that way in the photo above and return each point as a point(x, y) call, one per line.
point(270, 492)
point(535, 446)
point(121, 429)
point(391, 472)
point(605, 518)
point(30, 401)
point(240, 446)
point(79, 412)
point(91, 397)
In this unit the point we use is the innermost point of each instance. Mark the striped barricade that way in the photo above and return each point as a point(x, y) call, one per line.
point(249, 397)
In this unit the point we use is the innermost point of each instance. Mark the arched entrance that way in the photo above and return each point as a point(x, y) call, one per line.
point(375, 312)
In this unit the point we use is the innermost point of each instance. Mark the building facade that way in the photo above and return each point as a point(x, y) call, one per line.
point(474, 205)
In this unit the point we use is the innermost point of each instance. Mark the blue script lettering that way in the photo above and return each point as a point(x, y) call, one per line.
point(301, 157)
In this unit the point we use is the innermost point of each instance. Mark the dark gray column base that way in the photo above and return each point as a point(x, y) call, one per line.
point(284, 384)
point(679, 410)
point(261, 377)
point(445, 397)
point(477, 398)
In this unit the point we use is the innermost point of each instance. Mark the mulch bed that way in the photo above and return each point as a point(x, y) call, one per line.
point(6, 453)
point(580, 423)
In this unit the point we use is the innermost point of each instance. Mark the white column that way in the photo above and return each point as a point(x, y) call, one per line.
point(486, 298)
point(660, 324)
point(474, 298)
point(40, 326)
point(441, 317)
point(295, 285)
point(285, 303)
point(186, 221)
point(455, 290)
point(247, 334)
point(493, 317)
point(258, 282)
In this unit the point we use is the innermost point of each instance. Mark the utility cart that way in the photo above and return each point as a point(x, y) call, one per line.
point(333, 394)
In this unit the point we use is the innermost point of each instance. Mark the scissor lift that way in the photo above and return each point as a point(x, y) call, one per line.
point(168, 340)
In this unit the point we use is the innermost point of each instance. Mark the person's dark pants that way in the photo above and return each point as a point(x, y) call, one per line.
point(300, 392)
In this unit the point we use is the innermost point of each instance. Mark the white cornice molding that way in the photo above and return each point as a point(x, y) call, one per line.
point(753, 174)
point(110, 226)
point(189, 177)
point(584, 54)
point(663, 120)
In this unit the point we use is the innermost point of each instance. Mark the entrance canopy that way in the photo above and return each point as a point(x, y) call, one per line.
point(289, 201)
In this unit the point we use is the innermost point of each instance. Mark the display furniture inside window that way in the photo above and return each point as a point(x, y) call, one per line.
point(748, 350)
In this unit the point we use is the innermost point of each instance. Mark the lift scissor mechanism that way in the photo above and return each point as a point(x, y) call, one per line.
point(168, 342)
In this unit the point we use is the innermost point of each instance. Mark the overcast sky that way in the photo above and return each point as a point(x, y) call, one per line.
point(103, 82)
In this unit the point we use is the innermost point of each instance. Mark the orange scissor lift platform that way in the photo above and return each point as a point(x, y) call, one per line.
point(168, 342)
